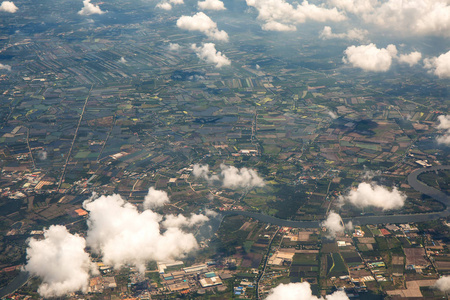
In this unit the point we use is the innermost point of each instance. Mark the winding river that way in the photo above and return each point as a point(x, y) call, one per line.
point(23, 277)
point(368, 220)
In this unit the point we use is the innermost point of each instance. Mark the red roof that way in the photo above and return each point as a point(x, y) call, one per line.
point(384, 232)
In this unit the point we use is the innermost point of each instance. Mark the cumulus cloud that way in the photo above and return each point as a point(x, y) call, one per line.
point(155, 198)
point(278, 15)
point(439, 66)
point(411, 59)
point(201, 22)
point(335, 225)
point(371, 194)
point(369, 57)
point(5, 67)
point(60, 261)
point(332, 115)
point(240, 178)
point(355, 6)
point(208, 53)
point(413, 17)
point(167, 5)
point(211, 213)
point(277, 26)
point(443, 284)
point(179, 221)
point(123, 235)
point(230, 176)
point(201, 171)
point(300, 291)
point(90, 9)
point(444, 124)
point(123, 60)
point(352, 34)
point(370, 174)
point(8, 6)
point(42, 155)
point(174, 47)
point(211, 5)
point(164, 5)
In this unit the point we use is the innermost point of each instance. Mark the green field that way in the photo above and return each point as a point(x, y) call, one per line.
point(301, 259)
point(338, 267)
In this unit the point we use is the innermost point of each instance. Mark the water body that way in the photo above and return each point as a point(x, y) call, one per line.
point(15, 284)
point(371, 220)
point(23, 277)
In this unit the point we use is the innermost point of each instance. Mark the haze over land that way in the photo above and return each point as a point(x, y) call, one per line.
point(128, 129)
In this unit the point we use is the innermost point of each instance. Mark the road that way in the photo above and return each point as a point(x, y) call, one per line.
point(63, 174)
point(261, 274)
point(363, 220)
point(29, 148)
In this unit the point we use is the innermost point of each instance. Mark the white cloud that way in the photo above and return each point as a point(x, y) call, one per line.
point(167, 5)
point(123, 60)
point(210, 213)
point(201, 22)
point(300, 291)
point(42, 155)
point(369, 174)
point(352, 34)
point(60, 261)
point(335, 225)
point(443, 284)
point(211, 5)
point(5, 67)
point(209, 54)
point(164, 5)
point(240, 178)
point(444, 124)
point(367, 194)
point(369, 57)
point(174, 47)
point(277, 26)
point(411, 59)
point(439, 66)
point(275, 13)
point(413, 17)
point(355, 6)
point(230, 176)
point(201, 171)
point(8, 6)
point(179, 221)
point(332, 115)
point(90, 9)
point(123, 235)
point(155, 198)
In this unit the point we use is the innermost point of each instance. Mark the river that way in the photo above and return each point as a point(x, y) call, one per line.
point(23, 277)
point(371, 220)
